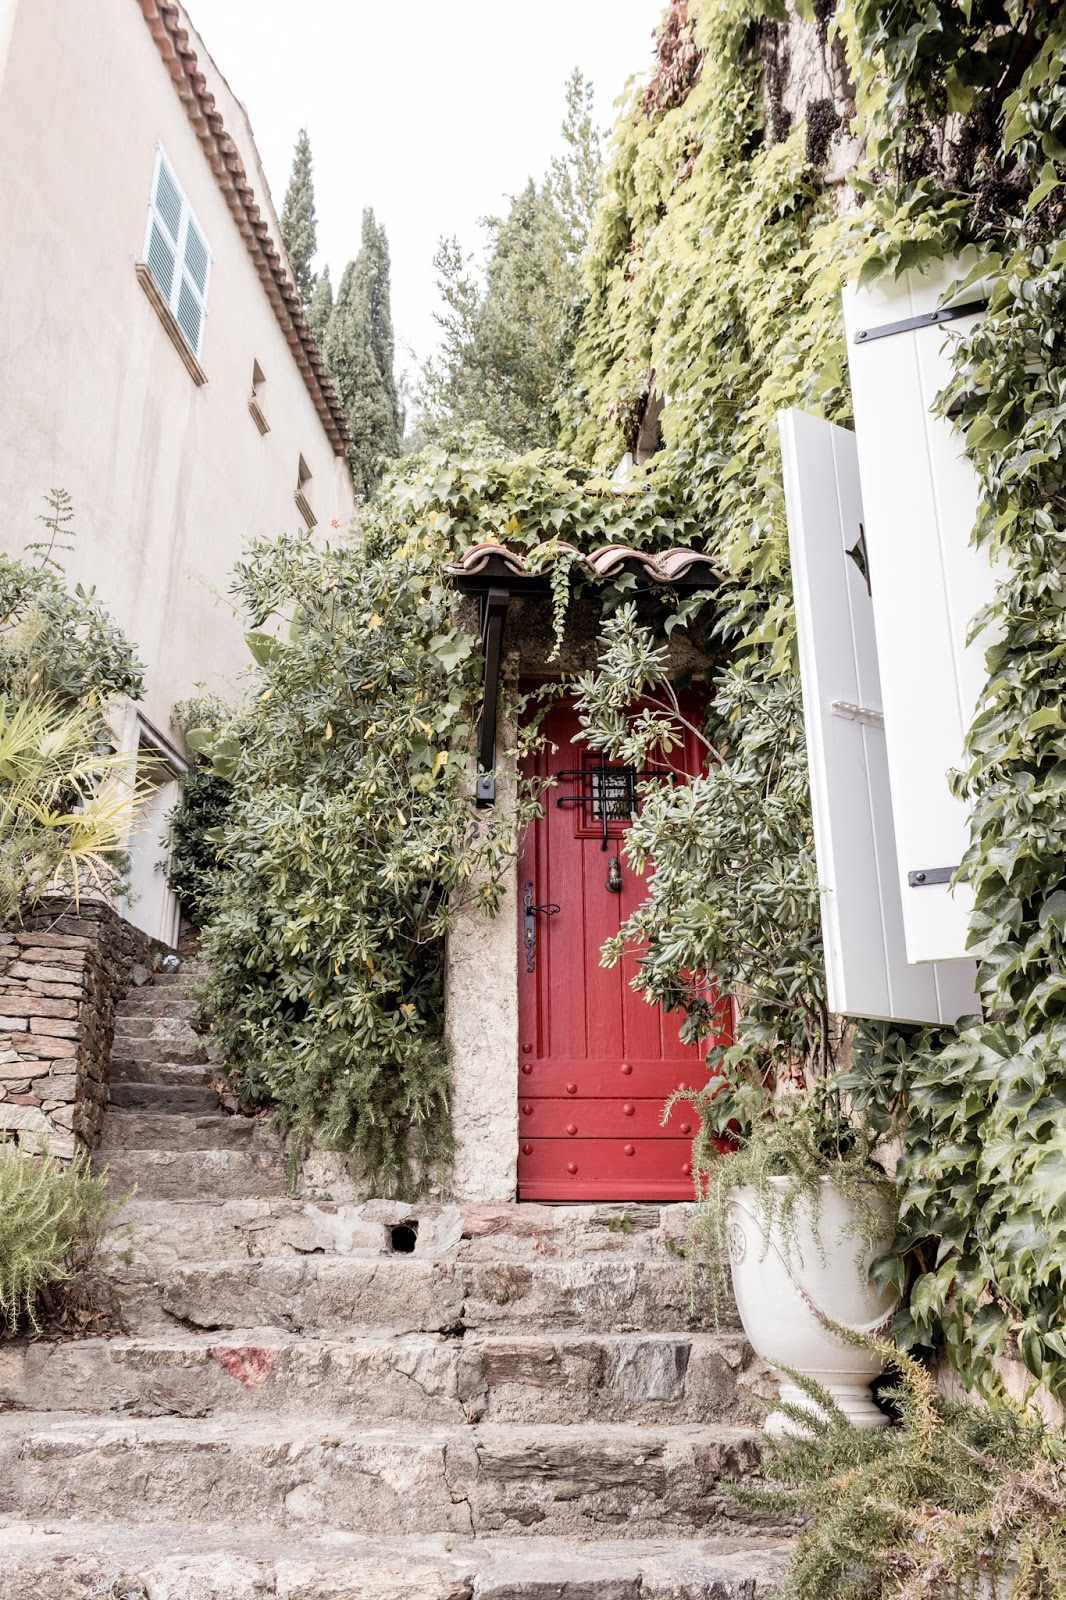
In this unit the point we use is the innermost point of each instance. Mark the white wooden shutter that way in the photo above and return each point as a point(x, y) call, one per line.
point(920, 495)
point(867, 969)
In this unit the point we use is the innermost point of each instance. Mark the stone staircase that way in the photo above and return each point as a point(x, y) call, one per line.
point(318, 1400)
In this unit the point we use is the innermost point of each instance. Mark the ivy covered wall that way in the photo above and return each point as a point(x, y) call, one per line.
point(714, 278)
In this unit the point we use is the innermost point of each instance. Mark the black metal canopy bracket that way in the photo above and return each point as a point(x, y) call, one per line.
point(494, 604)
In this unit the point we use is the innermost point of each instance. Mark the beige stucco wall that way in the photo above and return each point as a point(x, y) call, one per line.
point(169, 479)
point(481, 1020)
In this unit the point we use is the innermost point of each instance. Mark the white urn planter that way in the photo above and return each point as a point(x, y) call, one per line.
point(781, 1285)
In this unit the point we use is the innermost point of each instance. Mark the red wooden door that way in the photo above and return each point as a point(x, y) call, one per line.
point(596, 1061)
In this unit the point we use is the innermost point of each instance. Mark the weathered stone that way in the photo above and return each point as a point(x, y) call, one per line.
point(185, 1562)
point(48, 953)
point(45, 1048)
point(22, 1069)
point(42, 974)
point(52, 941)
point(13, 1024)
point(15, 1118)
point(56, 1027)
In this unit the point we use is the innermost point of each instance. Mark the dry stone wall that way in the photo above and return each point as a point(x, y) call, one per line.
point(62, 973)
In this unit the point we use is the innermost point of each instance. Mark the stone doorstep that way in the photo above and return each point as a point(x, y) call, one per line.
point(53, 1560)
point(596, 1482)
point(219, 1228)
point(418, 1379)
point(323, 1294)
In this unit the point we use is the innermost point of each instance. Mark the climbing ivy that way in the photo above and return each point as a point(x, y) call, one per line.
point(713, 279)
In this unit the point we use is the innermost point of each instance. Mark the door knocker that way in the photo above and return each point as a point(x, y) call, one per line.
point(614, 875)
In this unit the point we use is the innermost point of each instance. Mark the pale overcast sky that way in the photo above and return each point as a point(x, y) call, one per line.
point(429, 112)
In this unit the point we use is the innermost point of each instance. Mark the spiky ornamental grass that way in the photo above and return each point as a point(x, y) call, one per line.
point(51, 1219)
point(960, 1500)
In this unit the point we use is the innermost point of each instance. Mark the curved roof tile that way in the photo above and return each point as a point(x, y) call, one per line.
point(661, 566)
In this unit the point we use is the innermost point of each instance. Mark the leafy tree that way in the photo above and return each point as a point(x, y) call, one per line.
point(298, 219)
point(506, 354)
point(358, 348)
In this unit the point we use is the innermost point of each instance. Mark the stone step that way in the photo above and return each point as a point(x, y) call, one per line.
point(594, 1482)
point(401, 1294)
point(414, 1379)
point(161, 1098)
point(188, 1048)
point(59, 1560)
point(203, 1073)
point(157, 1027)
point(152, 1002)
point(214, 1229)
point(182, 1131)
point(203, 1174)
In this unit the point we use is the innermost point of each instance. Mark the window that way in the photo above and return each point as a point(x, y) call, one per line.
point(256, 397)
point(303, 484)
point(177, 254)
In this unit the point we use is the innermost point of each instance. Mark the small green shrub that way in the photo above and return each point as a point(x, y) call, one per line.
point(51, 1218)
point(960, 1500)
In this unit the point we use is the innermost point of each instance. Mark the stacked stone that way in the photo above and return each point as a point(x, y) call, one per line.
point(61, 976)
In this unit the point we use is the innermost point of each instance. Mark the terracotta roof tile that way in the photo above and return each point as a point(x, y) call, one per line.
point(660, 566)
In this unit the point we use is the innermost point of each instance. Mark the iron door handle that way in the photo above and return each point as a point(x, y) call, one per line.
point(530, 919)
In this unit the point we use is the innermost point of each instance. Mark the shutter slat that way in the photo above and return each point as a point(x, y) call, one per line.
point(167, 199)
point(160, 258)
point(189, 315)
point(196, 256)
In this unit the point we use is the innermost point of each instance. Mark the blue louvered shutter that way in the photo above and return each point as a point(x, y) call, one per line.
point(177, 254)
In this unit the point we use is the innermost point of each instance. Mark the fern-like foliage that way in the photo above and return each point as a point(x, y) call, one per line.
point(51, 1218)
point(958, 1500)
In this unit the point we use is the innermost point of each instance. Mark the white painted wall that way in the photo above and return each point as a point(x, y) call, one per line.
point(169, 479)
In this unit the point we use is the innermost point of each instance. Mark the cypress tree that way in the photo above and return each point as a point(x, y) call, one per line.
point(321, 308)
point(358, 348)
point(298, 219)
point(506, 351)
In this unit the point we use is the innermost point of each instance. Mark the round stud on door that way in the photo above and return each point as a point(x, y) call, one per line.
point(628, 1109)
point(626, 1068)
point(526, 1067)
point(571, 1088)
point(687, 1170)
point(686, 1127)
point(527, 1149)
point(631, 1149)
point(571, 1128)
point(527, 1111)
point(527, 1049)
point(571, 1167)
